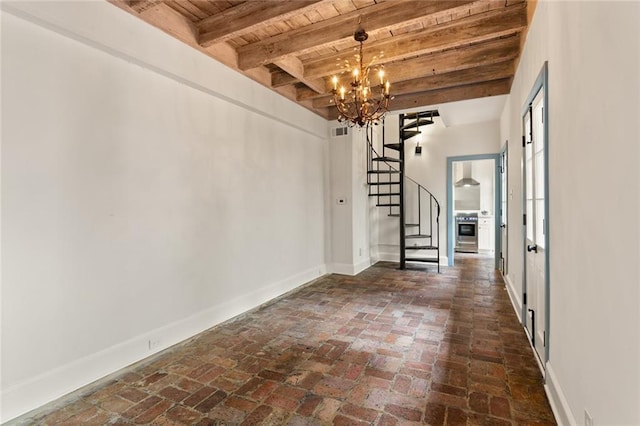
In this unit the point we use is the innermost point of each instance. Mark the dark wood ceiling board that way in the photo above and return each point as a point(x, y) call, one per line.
point(297, 21)
point(212, 7)
point(377, 17)
point(497, 71)
point(195, 9)
point(345, 7)
point(313, 16)
point(327, 11)
point(418, 26)
point(184, 8)
point(473, 29)
point(248, 17)
point(278, 28)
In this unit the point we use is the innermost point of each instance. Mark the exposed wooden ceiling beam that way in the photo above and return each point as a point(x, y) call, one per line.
point(434, 51)
point(282, 78)
point(440, 96)
point(454, 59)
point(473, 29)
point(293, 66)
point(246, 17)
point(383, 15)
point(467, 57)
point(475, 75)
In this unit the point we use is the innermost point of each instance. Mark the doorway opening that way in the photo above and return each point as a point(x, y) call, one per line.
point(473, 189)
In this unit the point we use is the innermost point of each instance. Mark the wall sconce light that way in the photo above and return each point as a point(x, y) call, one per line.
point(418, 149)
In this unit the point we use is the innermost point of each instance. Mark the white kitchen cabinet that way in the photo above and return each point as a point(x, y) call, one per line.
point(486, 234)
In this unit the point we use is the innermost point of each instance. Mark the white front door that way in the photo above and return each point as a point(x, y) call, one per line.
point(535, 226)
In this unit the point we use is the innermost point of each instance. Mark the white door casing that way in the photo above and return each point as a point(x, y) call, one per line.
point(534, 223)
point(502, 217)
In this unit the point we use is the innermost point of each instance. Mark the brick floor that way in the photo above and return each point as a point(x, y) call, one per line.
point(385, 347)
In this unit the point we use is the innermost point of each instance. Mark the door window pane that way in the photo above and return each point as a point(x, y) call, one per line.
point(540, 223)
point(529, 219)
point(539, 175)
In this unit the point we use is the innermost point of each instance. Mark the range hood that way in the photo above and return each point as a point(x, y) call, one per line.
point(466, 180)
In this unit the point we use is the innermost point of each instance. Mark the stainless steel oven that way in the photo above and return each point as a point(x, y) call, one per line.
point(467, 232)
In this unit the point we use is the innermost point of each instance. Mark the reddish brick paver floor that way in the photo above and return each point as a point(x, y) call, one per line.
point(386, 347)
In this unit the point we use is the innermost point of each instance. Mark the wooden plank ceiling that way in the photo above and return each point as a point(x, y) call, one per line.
point(433, 51)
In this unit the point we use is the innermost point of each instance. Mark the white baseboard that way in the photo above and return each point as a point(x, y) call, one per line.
point(388, 257)
point(37, 391)
point(557, 400)
point(513, 295)
point(350, 269)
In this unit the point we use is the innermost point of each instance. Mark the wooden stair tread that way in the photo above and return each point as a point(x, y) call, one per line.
point(394, 146)
point(388, 205)
point(391, 194)
point(421, 248)
point(417, 236)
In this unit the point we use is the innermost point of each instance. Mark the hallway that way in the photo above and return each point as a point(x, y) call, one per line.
point(385, 347)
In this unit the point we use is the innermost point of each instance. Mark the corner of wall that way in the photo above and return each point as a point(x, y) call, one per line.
point(350, 269)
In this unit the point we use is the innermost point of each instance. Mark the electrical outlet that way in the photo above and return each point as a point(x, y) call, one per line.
point(154, 344)
point(588, 420)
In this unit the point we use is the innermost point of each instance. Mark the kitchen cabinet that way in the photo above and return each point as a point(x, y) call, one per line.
point(486, 234)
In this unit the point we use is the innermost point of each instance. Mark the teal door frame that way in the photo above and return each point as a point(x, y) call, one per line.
point(542, 82)
point(496, 202)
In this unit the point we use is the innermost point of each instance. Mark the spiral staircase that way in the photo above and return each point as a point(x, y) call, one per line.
point(417, 210)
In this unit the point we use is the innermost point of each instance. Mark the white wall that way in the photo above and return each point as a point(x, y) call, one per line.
point(593, 51)
point(148, 193)
point(351, 221)
point(430, 168)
